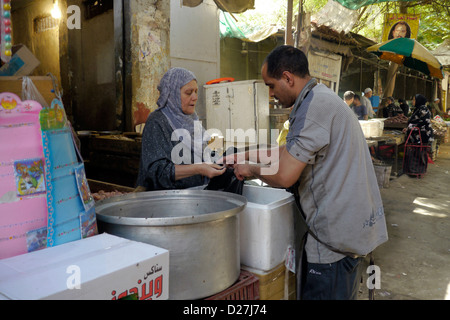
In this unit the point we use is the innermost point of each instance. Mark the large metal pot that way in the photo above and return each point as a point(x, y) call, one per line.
point(200, 228)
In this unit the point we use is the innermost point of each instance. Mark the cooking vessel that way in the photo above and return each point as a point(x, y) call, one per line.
point(200, 228)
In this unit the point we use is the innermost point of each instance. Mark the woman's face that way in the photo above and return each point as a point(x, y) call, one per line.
point(189, 96)
point(414, 101)
point(399, 31)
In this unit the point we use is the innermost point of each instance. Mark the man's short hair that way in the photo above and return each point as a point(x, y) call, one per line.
point(286, 58)
point(349, 95)
point(356, 97)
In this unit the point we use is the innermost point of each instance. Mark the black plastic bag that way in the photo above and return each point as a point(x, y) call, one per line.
point(226, 182)
point(416, 160)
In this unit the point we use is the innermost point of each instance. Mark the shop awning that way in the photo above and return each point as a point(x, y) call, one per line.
point(228, 28)
point(356, 4)
point(442, 52)
point(232, 6)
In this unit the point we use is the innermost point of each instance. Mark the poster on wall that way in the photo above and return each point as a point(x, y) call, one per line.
point(400, 25)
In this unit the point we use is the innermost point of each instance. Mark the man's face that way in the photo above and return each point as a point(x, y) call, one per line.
point(356, 102)
point(278, 88)
point(368, 94)
point(399, 31)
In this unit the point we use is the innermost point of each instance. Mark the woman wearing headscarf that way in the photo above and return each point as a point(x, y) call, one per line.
point(420, 118)
point(173, 140)
point(415, 160)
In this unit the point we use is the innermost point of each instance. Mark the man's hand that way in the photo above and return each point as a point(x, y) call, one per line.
point(242, 171)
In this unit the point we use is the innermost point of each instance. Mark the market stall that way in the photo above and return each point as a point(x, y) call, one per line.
point(100, 213)
point(387, 141)
point(384, 142)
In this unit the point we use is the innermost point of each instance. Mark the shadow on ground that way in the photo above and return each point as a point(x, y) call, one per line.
point(415, 262)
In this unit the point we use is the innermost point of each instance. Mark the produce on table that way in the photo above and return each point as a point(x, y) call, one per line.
point(101, 194)
point(401, 118)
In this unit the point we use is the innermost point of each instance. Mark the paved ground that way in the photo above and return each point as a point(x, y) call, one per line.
point(415, 262)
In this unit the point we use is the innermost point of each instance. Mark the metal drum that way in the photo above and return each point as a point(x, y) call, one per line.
point(200, 228)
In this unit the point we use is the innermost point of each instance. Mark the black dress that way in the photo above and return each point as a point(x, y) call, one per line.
point(156, 169)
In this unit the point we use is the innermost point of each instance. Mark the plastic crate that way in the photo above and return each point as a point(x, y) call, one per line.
point(245, 288)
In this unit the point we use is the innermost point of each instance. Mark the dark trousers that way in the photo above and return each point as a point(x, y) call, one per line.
point(332, 281)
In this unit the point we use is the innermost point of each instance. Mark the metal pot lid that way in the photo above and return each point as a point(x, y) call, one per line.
point(169, 207)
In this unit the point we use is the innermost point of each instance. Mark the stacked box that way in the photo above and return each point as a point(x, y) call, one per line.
point(276, 284)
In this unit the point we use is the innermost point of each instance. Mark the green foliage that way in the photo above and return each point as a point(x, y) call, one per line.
point(273, 12)
point(434, 26)
point(434, 22)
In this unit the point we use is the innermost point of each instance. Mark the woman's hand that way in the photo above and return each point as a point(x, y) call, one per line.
point(211, 170)
point(204, 169)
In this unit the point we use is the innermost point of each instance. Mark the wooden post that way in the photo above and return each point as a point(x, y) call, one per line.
point(288, 35)
point(389, 87)
point(391, 74)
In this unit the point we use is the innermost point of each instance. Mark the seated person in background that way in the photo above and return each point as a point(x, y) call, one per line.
point(391, 110)
point(348, 97)
point(167, 163)
point(404, 106)
point(359, 109)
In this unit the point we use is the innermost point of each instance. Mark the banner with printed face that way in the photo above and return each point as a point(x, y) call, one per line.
point(400, 25)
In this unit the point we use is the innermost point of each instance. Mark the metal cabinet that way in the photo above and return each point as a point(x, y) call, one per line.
point(238, 111)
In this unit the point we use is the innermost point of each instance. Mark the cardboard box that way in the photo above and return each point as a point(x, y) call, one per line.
point(22, 62)
point(43, 84)
point(276, 284)
point(102, 267)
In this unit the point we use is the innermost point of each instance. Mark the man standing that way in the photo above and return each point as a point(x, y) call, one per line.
point(327, 157)
point(359, 109)
point(436, 109)
point(365, 101)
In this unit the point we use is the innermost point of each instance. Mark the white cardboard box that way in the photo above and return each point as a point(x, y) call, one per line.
point(102, 267)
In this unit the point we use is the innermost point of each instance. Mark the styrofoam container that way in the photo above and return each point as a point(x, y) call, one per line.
point(372, 127)
point(266, 226)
